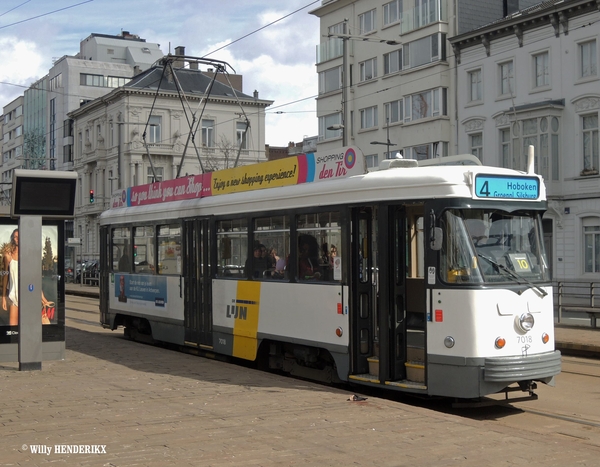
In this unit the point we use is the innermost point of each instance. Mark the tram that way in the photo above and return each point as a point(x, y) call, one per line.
point(417, 277)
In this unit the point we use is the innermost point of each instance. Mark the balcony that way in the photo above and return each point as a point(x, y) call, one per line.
point(429, 12)
point(332, 48)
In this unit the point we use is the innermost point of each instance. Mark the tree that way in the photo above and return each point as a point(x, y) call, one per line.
point(47, 257)
point(223, 157)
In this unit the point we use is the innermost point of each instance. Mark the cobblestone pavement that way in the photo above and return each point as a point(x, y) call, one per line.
point(151, 406)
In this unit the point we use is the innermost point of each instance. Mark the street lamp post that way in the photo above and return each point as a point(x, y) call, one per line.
point(345, 37)
point(387, 143)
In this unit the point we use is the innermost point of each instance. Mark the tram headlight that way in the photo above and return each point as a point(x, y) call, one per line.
point(525, 322)
point(500, 342)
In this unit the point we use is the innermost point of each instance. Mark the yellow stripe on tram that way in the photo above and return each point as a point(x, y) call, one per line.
point(245, 329)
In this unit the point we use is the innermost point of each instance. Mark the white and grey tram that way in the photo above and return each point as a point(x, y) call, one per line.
point(425, 279)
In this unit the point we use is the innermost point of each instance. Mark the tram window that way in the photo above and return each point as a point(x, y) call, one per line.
point(232, 248)
point(319, 246)
point(272, 237)
point(120, 249)
point(169, 249)
point(143, 250)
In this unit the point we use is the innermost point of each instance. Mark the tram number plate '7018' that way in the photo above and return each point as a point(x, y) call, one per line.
point(524, 339)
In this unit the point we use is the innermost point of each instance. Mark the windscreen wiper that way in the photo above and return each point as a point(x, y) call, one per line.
point(512, 275)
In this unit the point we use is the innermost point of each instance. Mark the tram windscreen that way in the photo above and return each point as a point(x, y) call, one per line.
point(492, 246)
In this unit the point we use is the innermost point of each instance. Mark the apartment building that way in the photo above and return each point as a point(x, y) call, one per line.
point(532, 79)
point(12, 144)
point(386, 76)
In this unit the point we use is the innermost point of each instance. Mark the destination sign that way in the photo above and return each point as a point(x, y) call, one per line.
point(506, 187)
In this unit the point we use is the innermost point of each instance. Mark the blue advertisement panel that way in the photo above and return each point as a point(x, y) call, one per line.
point(141, 288)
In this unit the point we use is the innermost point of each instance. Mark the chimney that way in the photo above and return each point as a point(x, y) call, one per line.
point(255, 94)
point(179, 52)
point(193, 65)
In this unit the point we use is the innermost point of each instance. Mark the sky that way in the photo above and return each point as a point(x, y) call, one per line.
point(277, 60)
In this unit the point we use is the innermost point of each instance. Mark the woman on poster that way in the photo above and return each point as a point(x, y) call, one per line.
point(10, 282)
point(10, 279)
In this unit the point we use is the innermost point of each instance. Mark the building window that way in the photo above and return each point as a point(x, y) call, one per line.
point(208, 133)
point(588, 59)
point(425, 104)
point(101, 81)
point(392, 62)
point(367, 21)
point(540, 132)
point(476, 144)
point(326, 122)
point(392, 12)
point(590, 145)
point(506, 79)
point(427, 151)
point(591, 244)
point(154, 129)
point(505, 145)
point(241, 133)
point(68, 153)
point(160, 172)
point(475, 90)
point(394, 111)
point(368, 117)
point(368, 69)
point(425, 12)
point(339, 28)
point(423, 51)
point(541, 70)
point(372, 161)
point(330, 80)
point(56, 82)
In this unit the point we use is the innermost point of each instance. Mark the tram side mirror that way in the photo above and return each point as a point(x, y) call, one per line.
point(436, 238)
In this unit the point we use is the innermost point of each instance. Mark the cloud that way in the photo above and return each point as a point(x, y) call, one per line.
point(278, 60)
point(22, 66)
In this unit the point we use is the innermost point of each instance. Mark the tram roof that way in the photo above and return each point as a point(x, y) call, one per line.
point(392, 184)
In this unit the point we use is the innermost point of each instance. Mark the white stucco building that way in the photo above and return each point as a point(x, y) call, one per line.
point(110, 133)
point(532, 79)
point(386, 74)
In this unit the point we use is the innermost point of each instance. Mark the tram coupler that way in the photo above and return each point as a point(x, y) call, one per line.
point(525, 386)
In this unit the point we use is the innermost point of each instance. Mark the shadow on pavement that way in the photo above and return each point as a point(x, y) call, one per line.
point(161, 359)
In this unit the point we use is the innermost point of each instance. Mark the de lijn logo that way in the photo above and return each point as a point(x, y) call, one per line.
point(240, 309)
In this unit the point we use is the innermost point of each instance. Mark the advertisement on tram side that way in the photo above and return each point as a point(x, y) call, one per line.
point(303, 168)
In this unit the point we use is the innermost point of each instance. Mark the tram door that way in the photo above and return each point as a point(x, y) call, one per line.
point(196, 281)
point(364, 292)
point(394, 308)
point(387, 291)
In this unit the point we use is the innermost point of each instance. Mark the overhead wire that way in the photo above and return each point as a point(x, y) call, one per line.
point(273, 110)
point(44, 14)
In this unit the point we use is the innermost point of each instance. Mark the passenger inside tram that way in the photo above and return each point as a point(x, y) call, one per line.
point(308, 261)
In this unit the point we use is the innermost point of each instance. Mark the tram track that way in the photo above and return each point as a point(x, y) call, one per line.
point(556, 416)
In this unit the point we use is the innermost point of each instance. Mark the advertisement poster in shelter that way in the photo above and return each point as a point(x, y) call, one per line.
point(9, 275)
